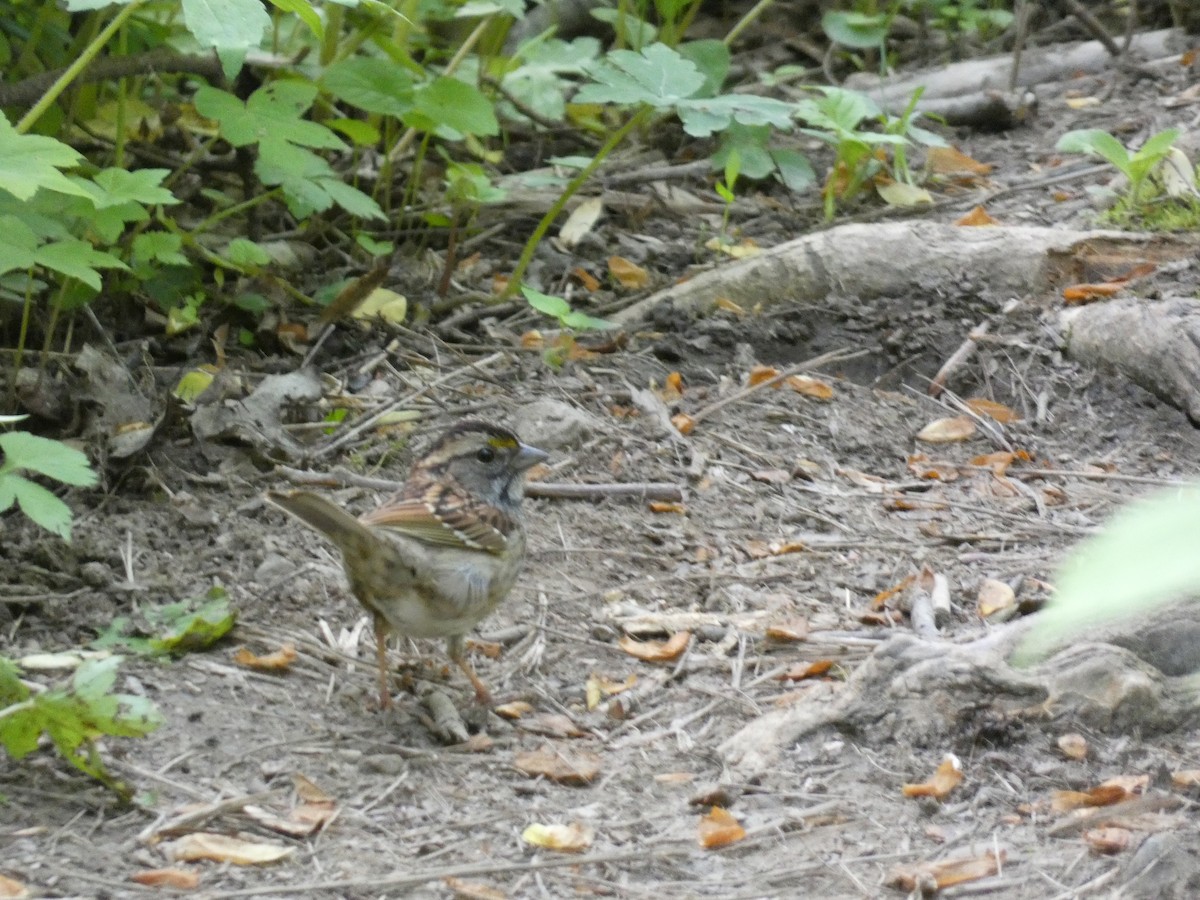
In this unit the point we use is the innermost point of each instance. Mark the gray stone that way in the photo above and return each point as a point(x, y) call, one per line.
point(552, 424)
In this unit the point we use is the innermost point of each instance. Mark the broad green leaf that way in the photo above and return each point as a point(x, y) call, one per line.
point(243, 252)
point(750, 145)
point(159, 246)
point(658, 76)
point(19, 244)
point(560, 309)
point(702, 117)
point(361, 133)
point(142, 186)
point(372, 84)
point(476, 8)
point(31, 161)
point(450, 103)
point(857, 30)
point(1144, 558)
point(711, 58)
point(351, 199)
point(77, 259)
point(1097, 142)
point(795, 170)
point(226, 24)
point(39, 504)
point(51, 458)
point(636, 32)
point(200, 629)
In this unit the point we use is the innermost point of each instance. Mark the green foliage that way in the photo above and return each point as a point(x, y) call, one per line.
point(560, 309)
point(72, 716)
point(181, 627)
point(1136, 166)
point(1144, 558)
point(24, 452)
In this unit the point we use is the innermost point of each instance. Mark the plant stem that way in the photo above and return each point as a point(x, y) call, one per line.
point(514, 282)
point(745, 21)
point(84, 60)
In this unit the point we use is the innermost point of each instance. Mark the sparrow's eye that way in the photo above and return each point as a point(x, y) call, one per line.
point(485, 454)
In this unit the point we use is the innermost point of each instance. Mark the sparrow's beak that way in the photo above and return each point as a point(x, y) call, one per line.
point(527, 457)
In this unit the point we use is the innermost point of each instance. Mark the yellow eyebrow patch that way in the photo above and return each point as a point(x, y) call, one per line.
point(502, 442)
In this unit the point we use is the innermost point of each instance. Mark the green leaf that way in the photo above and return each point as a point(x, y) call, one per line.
point(711, 59)
point(361, 133)
point(200, 629)
point(450, 103)
point(750, 145)
point(702, 117)
point(31, 161)
point(77, 259)
point(51, 458)
point(1097, 142)
point(857, 30)
point(560, 309)
point(306, 13)
point(795, 170)
point(372, 84)
point(636, 32)
point(658, 76)
point(244, 253)
point(351, 199)
point(39, 504)
point(159, 246)
point(226, 24)
point(1144, 558)
point(142, 186)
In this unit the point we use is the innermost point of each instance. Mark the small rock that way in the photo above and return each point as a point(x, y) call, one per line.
point(95, 574)
point(273, 568)
point(553, 424)
point(384, 763)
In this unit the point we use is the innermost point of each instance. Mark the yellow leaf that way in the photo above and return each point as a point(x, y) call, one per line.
point(897, 193)
point(573, 838)
point(628, 274)
point(719, 829)
point(222, 848)
point(383, 304)
point(946, 431)
point(194, 383)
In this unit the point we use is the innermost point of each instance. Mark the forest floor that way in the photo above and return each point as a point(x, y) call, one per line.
point(798, 513)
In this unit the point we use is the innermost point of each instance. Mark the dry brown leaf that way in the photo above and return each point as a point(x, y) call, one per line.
point(573, 838)
point(994, 596)
point(551, 725)
point(789, 630)
point(894, 591)
point(1073, 746)
point(580, 222)
point(683, 423)
point(801, 671)
point(665, 506)
point(1101, 795)
point(759, 374)
point(307, 790)
point(598, 687)
point(947, 777)
point(177, 879)
point(223, 848)
point(566, 765)
point(11, 889)
point(1131, 784)
point(499, 283)
point(981, 406)
point(533, 340)
point(952, 161)
point(471, 890)
point(946, 431)
point(810, 387)
point(998, 462)
point(656, 651)
point(514, 710)
point(627, 273)
point(1185, 779)
point(719, 829)
point(872, 483)
point(674, 386)
point(1108, 840)
point(946, 873)
point(1080, 294)
point(286, 825)
point(271, 662)
point(923, 467)
point(729, 306)
point(772, 476)
point(589, 281)
point(978, 217)
point(757, 549)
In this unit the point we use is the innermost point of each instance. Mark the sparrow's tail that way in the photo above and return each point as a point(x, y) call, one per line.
point(321, 515)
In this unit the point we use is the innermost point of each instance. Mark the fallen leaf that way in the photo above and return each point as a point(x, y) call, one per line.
point(178, 879)
point(952, 161)
point(656, 651)
point(665, 506)
point(581, 221)
point(947, 777)
point(801, 671)
point(759, 374)
point(772, 476)
point(790, 630)
point(948, 430)
point(627, 273)
point(946, 873)
point(1073, 746)
point(589, 281)
point(1108, 840)
point(222, 848)
point(741, 250)
point(994, 596)
point(719, 829)
point(729, 306)
point(514, 710)
point(565, 765)
point(1065, 801)
point(598, 687)
point(810, 387)
point(383, 304)
point(977, 218)
point(308, 791)
point(757, 549)
point(552, 725)
point(1186, 778)
point(673, 387)
point(998, 462)
point(894, 591)
point(872, 483)
point(902, 195)
point(998, 411)
point(573, 838)
point(470, 890)
point(11, 889)
point(1131, 784)
point(683, 423)
point(271, 662)
point(1079, 294)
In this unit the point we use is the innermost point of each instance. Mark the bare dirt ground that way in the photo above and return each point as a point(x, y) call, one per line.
point(773, 471)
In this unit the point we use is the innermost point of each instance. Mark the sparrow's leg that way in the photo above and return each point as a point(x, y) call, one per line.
point(381, 635)
point(456, 650)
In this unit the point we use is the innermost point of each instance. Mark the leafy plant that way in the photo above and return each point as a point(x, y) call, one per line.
point(560, 309)
point(73, 716)
point(1136, 166)
point(180, 627)
point(24, 452)
point(1145, 557)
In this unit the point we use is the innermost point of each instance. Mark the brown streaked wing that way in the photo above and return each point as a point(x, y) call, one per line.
point(445, 518)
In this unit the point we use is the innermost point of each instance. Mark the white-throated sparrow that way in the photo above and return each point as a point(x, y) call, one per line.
point(439, 555)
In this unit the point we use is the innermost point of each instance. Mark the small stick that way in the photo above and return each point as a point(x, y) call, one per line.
point(642, 490)
point(964, 352)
